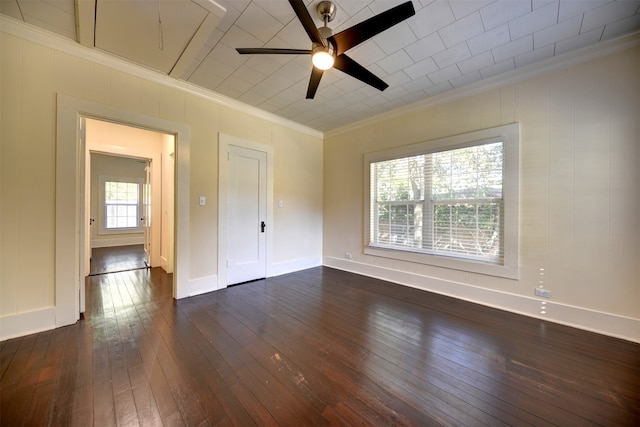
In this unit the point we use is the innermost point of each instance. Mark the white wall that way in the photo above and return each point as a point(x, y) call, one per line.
point(34, 70)
point(579, 194)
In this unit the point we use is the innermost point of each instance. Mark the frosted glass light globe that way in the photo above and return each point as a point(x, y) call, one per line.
point(322, 60)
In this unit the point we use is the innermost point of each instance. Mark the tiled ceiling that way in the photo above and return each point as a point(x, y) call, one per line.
point(447, 44)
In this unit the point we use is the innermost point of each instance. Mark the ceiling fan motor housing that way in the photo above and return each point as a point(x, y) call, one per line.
point(325, 33)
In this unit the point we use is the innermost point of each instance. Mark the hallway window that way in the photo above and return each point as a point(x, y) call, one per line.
point(122, 200)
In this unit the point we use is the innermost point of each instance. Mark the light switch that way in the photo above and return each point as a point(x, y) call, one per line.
point(203, 201)
point(280, 203)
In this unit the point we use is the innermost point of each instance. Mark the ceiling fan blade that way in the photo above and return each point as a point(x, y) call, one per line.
point(314, 81)
point(266, 50)
point(307, 22)
point(351, 67)
point(353, 36)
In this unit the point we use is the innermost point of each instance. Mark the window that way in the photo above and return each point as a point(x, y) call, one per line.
point(451, 202)
point(121, 201)
point(119, 205)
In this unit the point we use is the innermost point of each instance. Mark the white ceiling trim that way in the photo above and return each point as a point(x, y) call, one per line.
point(54, 41)
point(566, 60)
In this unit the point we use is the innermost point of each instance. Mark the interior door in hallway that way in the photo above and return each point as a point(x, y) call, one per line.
point(247, 214)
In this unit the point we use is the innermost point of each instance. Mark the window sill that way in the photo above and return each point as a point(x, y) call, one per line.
point(508, 271)
point(112, 231)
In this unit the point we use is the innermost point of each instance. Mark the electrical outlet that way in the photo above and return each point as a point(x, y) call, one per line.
point(347, 255)
point(543, 293)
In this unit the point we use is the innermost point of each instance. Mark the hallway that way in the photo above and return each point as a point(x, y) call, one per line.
point(116, 259)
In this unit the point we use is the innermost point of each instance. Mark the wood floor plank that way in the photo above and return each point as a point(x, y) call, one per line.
point(317, 347)
point(299, 350)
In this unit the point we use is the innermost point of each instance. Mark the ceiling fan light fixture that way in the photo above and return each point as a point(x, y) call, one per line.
point(322, 56)
point(322, 59)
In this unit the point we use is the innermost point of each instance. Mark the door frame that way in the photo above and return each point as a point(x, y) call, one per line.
point(153, 160)
point(70, 198)
point(224, 141)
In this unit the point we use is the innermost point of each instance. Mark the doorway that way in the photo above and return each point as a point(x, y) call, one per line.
point(129, 187)
point(70, 198)
point(119, 208)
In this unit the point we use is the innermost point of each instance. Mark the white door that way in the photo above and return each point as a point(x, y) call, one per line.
point(247, 215)
point(146, 213)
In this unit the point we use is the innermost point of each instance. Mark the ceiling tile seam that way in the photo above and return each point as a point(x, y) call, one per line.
point(235, 22)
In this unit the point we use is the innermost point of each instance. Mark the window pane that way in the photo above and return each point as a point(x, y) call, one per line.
point(468, 229)
point(462, 189)
point(400, 179)
point(121, 200)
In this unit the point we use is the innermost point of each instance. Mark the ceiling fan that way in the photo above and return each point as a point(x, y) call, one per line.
point(328, 49)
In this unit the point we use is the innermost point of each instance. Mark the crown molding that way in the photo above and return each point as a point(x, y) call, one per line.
point(566, 60)
point(54, 41)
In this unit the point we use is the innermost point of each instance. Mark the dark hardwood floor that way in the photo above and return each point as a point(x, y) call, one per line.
point(316, 347)
point(117, 258)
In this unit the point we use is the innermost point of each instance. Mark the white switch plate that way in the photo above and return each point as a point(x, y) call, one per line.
point(280, 203)
point(203, 201)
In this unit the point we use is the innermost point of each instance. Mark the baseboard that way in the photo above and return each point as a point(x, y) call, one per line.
point(590, 320)
point(206, 284)
point(117, 241)
point(31, 322)
point(164, 264)
point(202, 285)
point(280, 268)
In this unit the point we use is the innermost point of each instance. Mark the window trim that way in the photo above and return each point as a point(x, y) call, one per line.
point(102, 230)
point(510, 136)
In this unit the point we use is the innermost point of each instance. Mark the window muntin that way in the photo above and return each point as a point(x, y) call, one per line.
point(121, 203)
point(451, 202)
